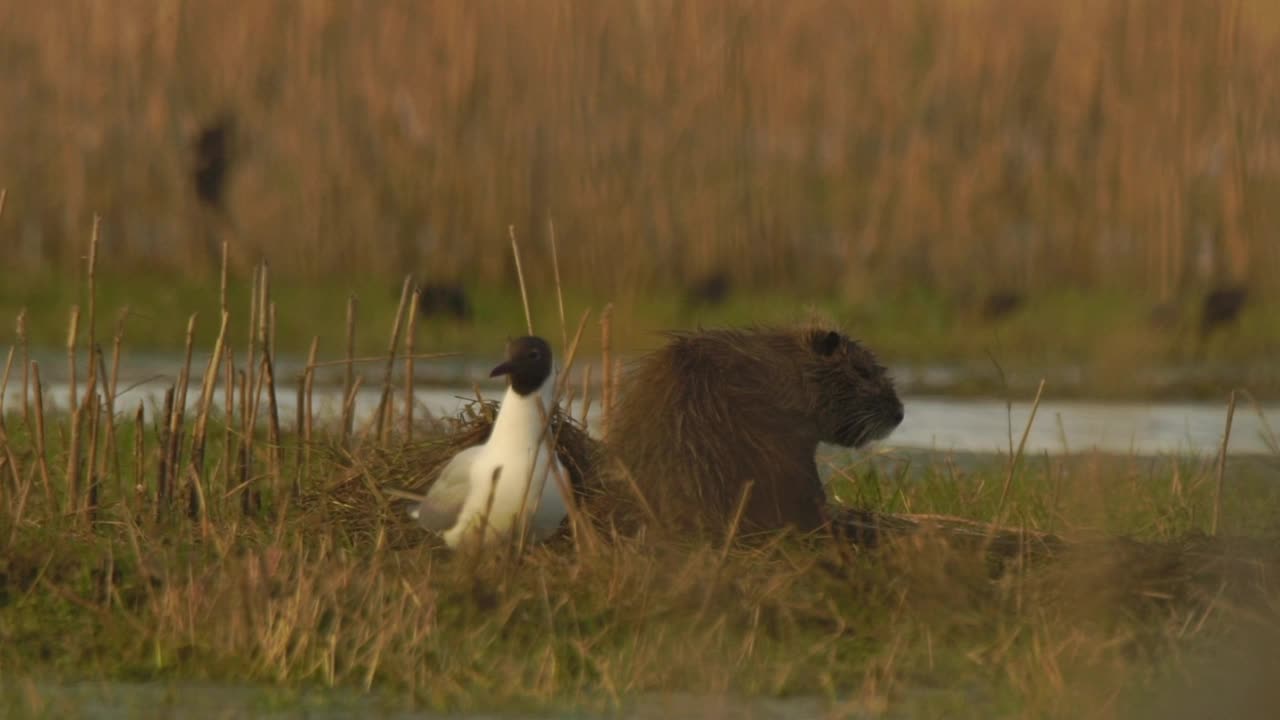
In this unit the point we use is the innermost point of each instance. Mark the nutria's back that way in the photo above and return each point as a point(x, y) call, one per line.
point(716, 412)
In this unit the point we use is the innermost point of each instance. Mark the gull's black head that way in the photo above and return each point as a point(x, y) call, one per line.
point(528, 364)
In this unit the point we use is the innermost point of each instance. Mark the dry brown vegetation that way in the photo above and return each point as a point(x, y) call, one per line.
point(835, 144)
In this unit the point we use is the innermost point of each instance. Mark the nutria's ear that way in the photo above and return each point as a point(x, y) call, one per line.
point(827, 343)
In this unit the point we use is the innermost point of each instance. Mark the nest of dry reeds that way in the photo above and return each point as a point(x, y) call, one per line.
point(359, 498)
point(357, 501)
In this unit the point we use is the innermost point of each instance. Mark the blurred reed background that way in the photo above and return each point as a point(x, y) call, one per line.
point(835, 146)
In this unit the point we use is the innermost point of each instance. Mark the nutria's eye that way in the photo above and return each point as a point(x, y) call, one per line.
point(534, 355)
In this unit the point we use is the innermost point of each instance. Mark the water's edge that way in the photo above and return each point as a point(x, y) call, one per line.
point(931, 423)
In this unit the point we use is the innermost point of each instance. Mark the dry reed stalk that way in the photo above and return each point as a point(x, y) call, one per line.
point(17, 513)
point(222, 280)
point(176, 418)
point(244, 456)
point(273, 421)
point(1269, 437)
point(586, 395)
point(348, 380)
point(1013, 461)
point(4, 382)
point(198, 503)
point(139, 459)
point(109, 461)
point(571, 354)
point(368, 429)
point(266, 343)
point(308, 418)
point(93, 280)
point(349, 402)
point(411, 330)
point(163, 467)
point(567, 400)
point(91, 464)
point(11, 462)
point(92, 480)
point(228, 421)
point(555, 268)
point(524, 294)
point(577, 521)
point(207, 390)
point(73, 407)
point(385, 402)
point(4, 439)
point(73, 332)
point(20, 489)
point(251, 361)
point(271, 329)
point(251, 423)
point(616, 380)
point(41, 447)
point(26, 368)
point(87, 465)
point(1222, 465)
point(4, 194)
point(112, 385)
point(583, 533)
point(299, 420)
point(606, 368)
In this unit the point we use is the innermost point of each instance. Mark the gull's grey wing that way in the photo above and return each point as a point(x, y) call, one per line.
point(439, 509)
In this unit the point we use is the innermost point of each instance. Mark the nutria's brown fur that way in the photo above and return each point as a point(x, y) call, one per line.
point(717, 411)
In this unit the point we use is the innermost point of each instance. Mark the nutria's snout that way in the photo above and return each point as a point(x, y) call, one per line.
point(893, 410)
point(856, 401)
point(893, 415)
point(875, 422)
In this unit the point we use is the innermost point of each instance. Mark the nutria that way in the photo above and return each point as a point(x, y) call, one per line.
point(1000, 304)
point(444, 300)
point(710, 290)
point(1221, 307)
point(213, 158)
point(715, 412)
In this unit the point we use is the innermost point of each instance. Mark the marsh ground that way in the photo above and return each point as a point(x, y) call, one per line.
point(297, 595)
point(203, 548)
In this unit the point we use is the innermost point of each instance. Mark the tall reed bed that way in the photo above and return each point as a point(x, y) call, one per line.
point(816, 144)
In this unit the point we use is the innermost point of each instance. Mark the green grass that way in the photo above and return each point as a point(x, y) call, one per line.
point(293, 598)
point(1105, 334)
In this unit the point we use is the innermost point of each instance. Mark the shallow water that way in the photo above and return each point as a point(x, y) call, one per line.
point(1060, 427)
point(931, 423)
